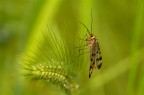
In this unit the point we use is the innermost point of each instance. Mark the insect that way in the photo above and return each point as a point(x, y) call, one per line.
point(95, 53)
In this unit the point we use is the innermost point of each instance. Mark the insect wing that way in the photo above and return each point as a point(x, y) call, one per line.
point(98, 56)
point(92, 66)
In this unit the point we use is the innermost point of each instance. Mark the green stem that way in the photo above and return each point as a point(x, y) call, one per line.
point(141, 83)
point(135, 40)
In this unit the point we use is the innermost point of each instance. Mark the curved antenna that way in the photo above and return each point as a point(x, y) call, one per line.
point(85, 27)
point(91, 21)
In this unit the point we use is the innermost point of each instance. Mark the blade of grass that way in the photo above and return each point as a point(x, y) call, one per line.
point(141, 84)
point(46, 14)
point(135, 40)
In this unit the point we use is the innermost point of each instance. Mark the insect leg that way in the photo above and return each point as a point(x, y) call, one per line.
point(79, 55)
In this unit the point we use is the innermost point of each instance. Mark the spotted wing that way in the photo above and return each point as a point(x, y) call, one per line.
point(95, 55)
point(98, 56)
point(92, 66)
point(92, 60)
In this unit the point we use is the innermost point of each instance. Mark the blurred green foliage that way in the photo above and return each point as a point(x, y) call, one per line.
point(118, 26)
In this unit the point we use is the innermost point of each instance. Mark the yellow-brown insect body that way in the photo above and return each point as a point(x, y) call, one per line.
point(95, 54)
point(90, 40)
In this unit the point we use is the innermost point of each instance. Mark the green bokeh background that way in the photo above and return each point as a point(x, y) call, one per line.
point(118, 24)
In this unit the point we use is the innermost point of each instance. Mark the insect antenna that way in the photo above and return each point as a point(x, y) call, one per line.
point(85, 27)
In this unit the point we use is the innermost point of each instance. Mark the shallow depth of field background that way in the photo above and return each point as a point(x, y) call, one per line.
point(118, 25)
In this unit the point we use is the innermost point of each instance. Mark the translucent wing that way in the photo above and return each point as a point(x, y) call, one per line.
point(92, 58)
point(95, 55)
point(98, 56)
point(92, 66)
